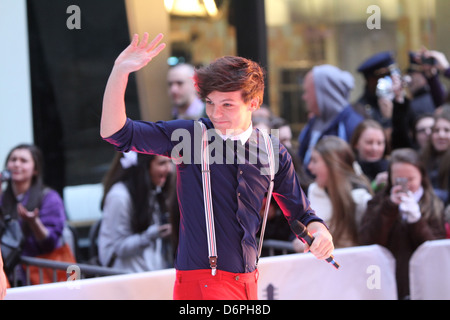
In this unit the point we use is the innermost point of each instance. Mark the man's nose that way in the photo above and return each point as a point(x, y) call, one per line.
point(216, 112)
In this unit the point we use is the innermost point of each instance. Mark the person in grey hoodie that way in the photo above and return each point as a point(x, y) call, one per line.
point(327, 92)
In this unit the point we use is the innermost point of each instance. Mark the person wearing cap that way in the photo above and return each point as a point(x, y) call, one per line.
point(327, 91)
point(370, 104)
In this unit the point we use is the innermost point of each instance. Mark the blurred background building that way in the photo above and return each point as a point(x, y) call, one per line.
point(55, 60)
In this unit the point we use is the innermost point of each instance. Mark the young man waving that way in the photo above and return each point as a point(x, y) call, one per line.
point(237, 182)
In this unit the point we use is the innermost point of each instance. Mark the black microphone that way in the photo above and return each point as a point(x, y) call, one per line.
point(5, 175)
point(303, 234)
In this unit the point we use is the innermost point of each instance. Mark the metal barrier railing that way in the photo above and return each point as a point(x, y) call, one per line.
point(86, 270)
point(284, 246)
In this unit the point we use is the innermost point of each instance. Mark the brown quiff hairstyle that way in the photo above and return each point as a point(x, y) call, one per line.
point(231, 73)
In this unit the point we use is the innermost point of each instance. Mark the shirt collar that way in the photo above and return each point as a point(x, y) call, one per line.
point(243, 136)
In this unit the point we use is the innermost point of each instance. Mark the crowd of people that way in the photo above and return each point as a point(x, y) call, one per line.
point(376, 171)
point(394, 151)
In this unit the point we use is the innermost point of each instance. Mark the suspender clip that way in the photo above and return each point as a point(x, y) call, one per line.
point(213, 265)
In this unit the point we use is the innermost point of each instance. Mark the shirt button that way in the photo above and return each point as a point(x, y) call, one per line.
point(236, 278)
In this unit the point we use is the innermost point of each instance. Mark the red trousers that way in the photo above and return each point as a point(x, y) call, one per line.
point(202, 285)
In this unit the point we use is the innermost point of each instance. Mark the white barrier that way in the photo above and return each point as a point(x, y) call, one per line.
point(82, 202)
point(366, 272)
point(429, 271)
point(155, 285)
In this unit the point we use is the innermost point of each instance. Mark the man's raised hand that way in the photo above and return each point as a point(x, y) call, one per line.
point(138, 55)
point(133, 58)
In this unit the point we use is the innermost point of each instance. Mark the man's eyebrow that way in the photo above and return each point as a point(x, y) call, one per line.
point(221, 101)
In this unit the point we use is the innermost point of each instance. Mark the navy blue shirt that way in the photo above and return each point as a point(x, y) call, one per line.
point(239, 184)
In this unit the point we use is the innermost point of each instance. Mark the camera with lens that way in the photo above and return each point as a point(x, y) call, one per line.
point(431, 61)
point(385, 86)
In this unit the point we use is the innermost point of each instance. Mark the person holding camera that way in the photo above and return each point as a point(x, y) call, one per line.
point(375, 102)
point(404, 214)
point(426, 95)
point(427, 91)
point(383, 93)
point(438, 60)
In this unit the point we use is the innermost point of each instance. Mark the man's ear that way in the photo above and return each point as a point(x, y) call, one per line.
point(254, 104)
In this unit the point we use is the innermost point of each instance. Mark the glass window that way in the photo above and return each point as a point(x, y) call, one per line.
point(200, 40)
point(302, 34)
